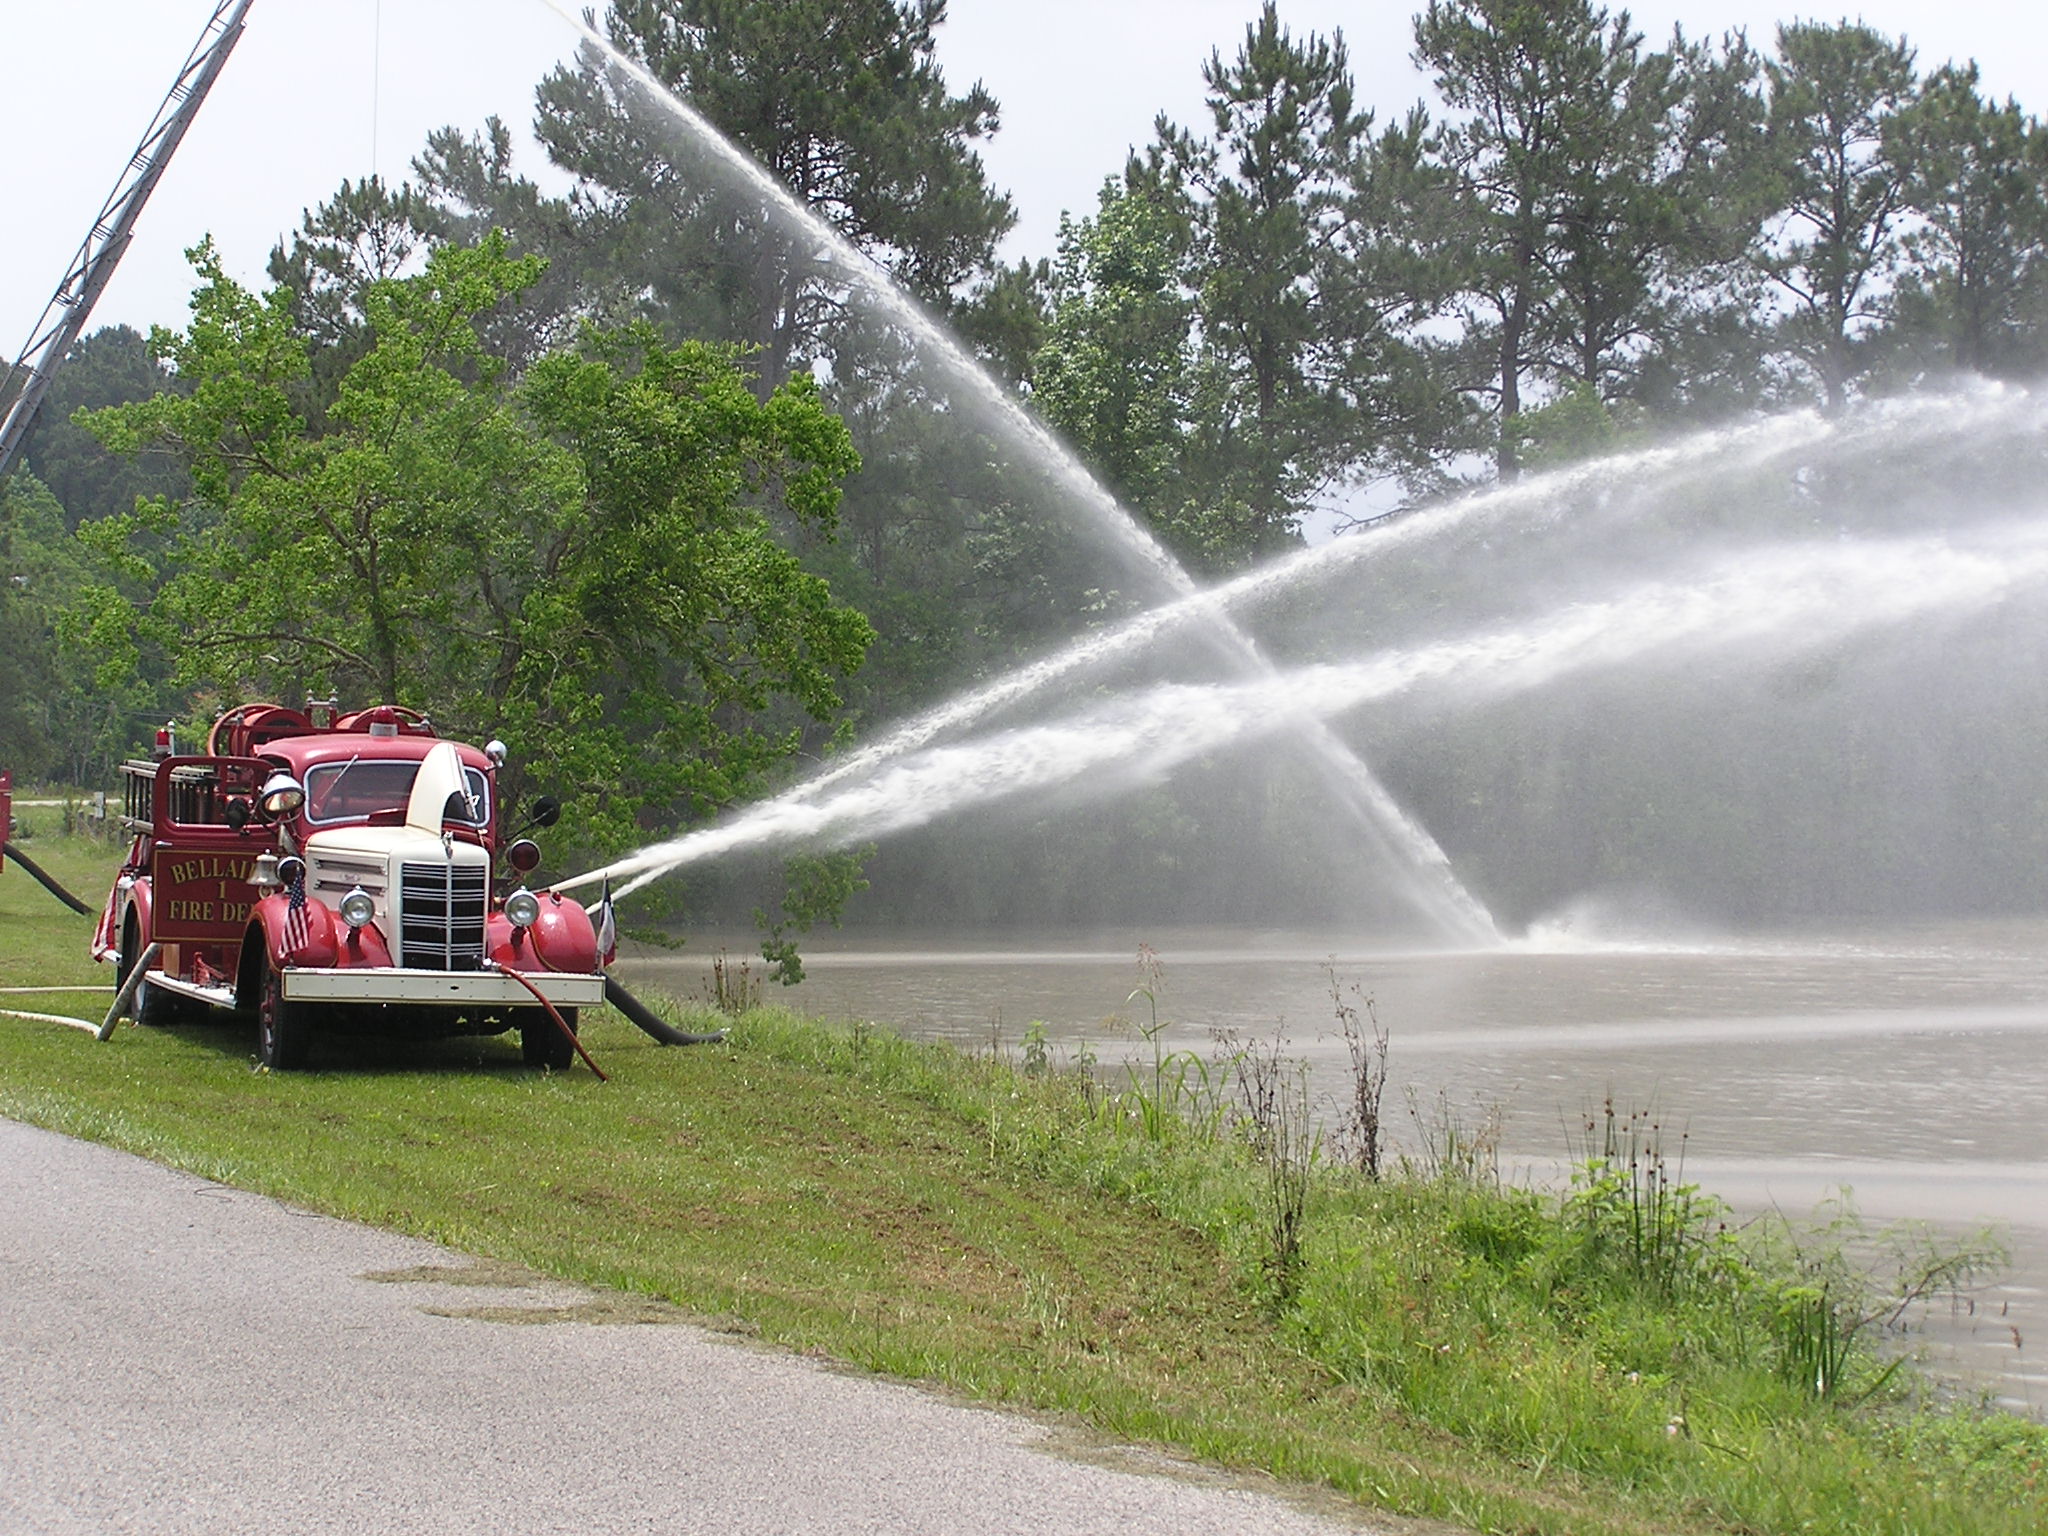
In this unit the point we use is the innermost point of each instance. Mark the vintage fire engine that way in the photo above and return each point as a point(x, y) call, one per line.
point(340, 872)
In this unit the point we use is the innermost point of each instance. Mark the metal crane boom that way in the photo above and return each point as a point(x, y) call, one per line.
point(28, 378)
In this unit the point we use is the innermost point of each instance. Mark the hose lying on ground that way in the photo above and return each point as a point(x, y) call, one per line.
point(651, 1021)
point(50, 1018)
point(44, 880)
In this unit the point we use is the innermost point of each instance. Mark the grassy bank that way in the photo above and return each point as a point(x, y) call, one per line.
point(1153, 1262)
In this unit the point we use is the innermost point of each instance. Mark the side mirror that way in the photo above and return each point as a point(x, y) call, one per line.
point(545, 812)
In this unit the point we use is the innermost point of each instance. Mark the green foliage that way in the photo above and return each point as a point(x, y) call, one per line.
point(816, 887)
point(579, 563)
point(842, 100)
point(1004, 319)
point(1588, 187)
point(845, 103)
point(1037, 1049)
point(367, 233)
point(1114, 373)
point(77, 691)
point(1281, 351)
point(110, 366)
point(1576, 425)
point(1290, 374)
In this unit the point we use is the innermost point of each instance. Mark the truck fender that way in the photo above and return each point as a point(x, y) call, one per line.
point(561, 940)
point(106, 936)
point(132, 900)
point(272, 916)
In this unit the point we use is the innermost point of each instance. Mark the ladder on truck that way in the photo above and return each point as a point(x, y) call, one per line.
point(28, 378)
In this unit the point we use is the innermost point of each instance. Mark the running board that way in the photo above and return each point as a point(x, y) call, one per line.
point(217, 997)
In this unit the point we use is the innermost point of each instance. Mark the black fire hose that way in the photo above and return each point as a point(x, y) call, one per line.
point(651, 1021)
point(44, 880)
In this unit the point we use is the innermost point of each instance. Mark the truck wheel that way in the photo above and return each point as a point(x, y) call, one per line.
point(281, 1029)
point(153, 1006)
point(543, 1045)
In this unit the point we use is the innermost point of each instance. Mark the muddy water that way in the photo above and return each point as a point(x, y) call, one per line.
point(1908, 1068)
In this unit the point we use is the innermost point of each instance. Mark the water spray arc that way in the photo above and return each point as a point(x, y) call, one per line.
point(1433, 887)
point(1579, 492)
point(1782, 599)
point(1317, 563)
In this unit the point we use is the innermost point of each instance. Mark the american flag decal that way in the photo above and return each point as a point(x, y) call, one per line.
point(295, 931)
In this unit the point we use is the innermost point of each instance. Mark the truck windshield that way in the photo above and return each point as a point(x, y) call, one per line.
point(365, 787)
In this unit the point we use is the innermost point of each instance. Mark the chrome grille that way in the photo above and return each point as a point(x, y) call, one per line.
point(441, 916)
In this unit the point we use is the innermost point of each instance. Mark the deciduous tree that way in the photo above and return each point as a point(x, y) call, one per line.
point(579, 563)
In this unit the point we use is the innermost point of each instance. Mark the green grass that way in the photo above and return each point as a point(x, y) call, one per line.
point(1439, 1346)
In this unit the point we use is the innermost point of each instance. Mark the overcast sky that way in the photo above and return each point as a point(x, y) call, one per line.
point(324, 89)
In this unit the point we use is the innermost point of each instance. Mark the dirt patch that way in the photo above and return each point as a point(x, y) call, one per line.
point(602, 1310)
point(484, 1272)
point(600, 1307)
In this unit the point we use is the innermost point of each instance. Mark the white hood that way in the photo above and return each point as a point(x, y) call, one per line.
point(439, 777)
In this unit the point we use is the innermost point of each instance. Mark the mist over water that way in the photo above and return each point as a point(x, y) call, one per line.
point(1792, 570)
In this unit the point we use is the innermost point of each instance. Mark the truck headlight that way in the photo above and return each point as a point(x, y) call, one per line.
point(522, 908)
point(281, 795)
point(357, 908)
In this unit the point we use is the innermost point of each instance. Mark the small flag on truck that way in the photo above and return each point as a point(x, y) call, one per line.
point(295, 931)
point(607, 926)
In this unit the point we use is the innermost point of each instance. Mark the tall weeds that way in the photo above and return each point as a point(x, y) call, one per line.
point(1365, 1042)
point(1179, 1095)
point(1631, 1204)
point(1827, 1310)
point(733, 989)
point(1279, 1119)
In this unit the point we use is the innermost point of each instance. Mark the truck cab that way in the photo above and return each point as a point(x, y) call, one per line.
point(342, 873)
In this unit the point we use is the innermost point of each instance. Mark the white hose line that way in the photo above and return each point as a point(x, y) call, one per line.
point(90, 1026)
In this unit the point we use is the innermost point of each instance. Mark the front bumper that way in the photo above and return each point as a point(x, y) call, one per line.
point(446, 989)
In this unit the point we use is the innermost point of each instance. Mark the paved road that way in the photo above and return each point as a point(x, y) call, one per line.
point(180, 1357)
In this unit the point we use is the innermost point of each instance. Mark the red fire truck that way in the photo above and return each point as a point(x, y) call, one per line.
point(341, 872)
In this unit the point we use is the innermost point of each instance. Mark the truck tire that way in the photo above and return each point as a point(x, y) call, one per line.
point(543, 1045)
point(153, 1007)
point(281, 1029)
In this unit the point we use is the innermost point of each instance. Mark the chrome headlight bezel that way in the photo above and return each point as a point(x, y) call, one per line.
point(522, 908)
point(281, 795)
point(358, 908)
